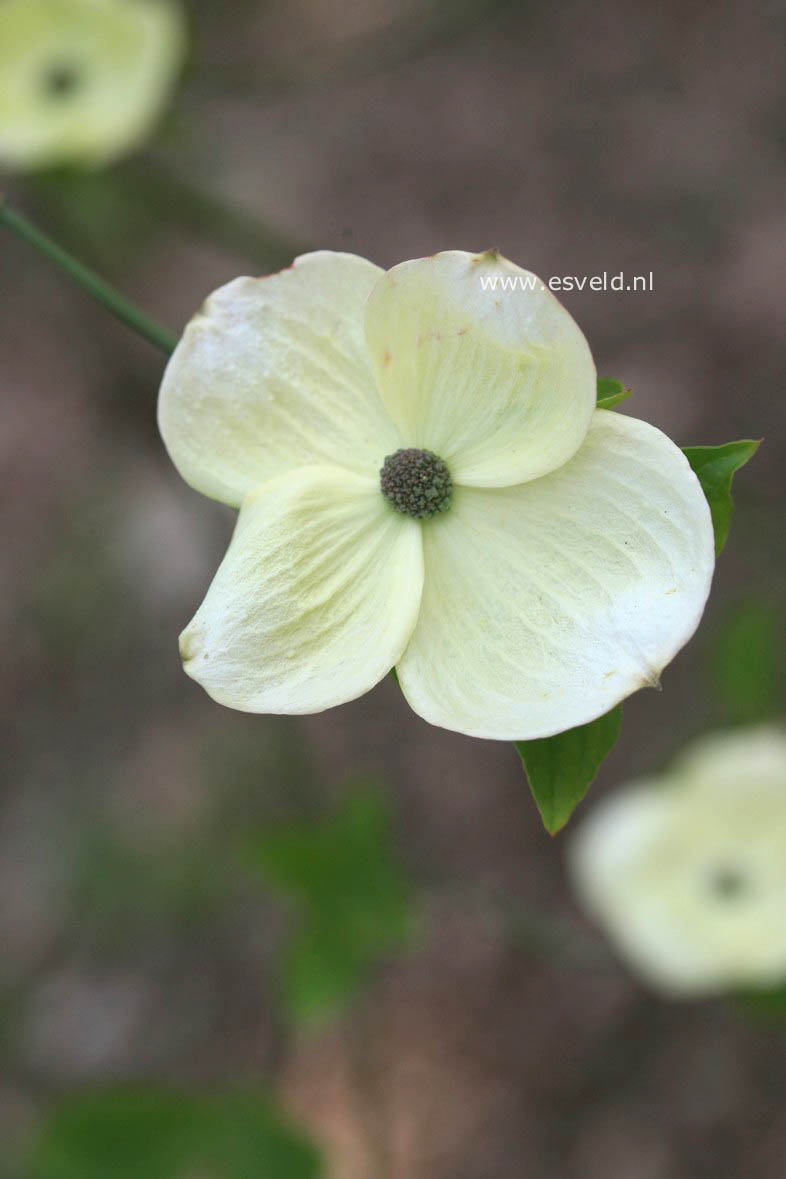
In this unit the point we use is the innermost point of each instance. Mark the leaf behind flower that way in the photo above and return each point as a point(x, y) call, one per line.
point(715, 467)
point(560, 769)
point(611, 393)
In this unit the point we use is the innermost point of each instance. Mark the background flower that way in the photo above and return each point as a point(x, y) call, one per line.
point(687, 872)
point(82, 81)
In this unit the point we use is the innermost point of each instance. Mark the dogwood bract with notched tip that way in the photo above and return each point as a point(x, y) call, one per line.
point(82, 81)
point(687, 872)
point(424, 481)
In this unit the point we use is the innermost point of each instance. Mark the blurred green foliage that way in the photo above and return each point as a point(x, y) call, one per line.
point(162, 1134)
point(765, 1005)
point(123, 891)
point(353, 903)
point(747, 667)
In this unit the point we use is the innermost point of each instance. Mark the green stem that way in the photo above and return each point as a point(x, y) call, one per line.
point(99, 290)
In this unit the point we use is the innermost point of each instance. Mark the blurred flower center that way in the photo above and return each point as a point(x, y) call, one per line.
point(729, 883)
point(62, 80)
point(416, 482)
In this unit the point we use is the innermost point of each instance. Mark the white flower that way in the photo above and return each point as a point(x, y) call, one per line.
point(82, 81)
point(687, 873)
point(576, 552)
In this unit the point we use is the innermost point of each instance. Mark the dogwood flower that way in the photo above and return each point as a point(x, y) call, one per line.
point(82, 81)
point(687, 873)
point(424, 481)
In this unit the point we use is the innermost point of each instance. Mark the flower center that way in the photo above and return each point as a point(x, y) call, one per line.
point(728, 883)
point(61, 80)
point(416, 482)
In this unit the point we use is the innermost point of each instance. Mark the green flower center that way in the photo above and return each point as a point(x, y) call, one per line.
point(728, 883)
point(416, 482)
point(61, 80)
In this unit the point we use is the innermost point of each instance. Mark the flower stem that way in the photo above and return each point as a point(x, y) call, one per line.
point(90, 282)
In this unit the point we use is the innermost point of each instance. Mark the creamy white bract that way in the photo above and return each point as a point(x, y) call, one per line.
point(577, 552)
point(82, 81)
point(687, 873)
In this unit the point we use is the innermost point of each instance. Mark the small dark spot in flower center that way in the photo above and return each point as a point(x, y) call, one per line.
point(61, 80)
point(416, 482)
point(728, 883)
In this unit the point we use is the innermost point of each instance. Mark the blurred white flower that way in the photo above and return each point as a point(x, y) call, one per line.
point(82, 81)
point(424, 481)
point(687, 873)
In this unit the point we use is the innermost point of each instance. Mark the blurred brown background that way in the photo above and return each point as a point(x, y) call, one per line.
point(508, 1042)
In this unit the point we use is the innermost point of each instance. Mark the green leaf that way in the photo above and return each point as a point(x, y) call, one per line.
point(352, 900)
point(611, 393)
point(561, 769)
point(715, 467)
point(163, 1134)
